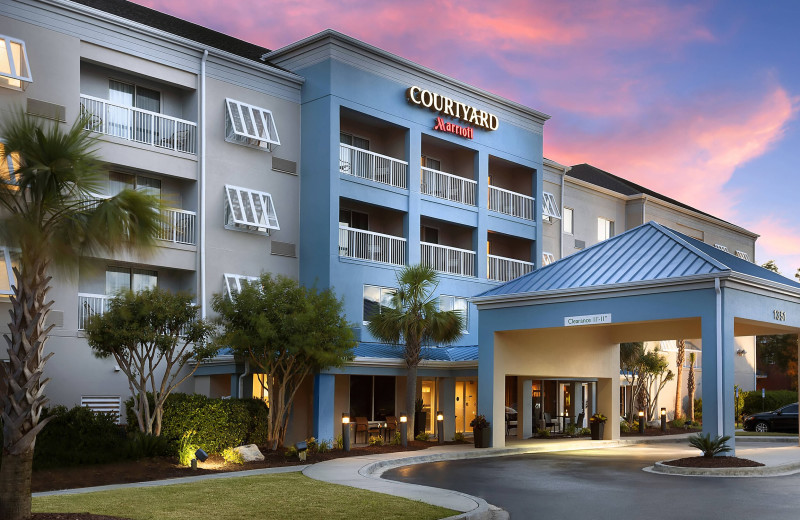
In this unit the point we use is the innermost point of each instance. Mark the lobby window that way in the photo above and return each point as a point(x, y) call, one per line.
point(249, 210)
point(233, 282)
point(14, 70)
point(375, 300)
point(129, 279)
point(742, 255)
point(8, 166)
point(721, 248)
point(353, 140)
point(547, 258)
point(372, 397)
point(550, 208)
point(8, 260)
point(605, 229)
point(454, 303)
point(430, 162)
point(250, 125)
point(569, 225)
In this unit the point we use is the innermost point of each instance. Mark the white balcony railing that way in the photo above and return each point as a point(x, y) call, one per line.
point(510, 203)
point(90, 305)
point(447, 259)
point(142, 126)
point(368, 245)
point(447, 186)
point(372, 166)
point(504, 269)
point(178, 226)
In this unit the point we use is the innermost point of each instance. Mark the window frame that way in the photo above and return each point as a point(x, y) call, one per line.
point(425, 158)
point(570, 220)
point(353, 138)
point(136, 86)
point(264, 141)
point(381, 290)
point(453, 298)
point(237, 278)
point(550, 208)
point(269, 213)
point(547, 258)
point(131, 272)
point(13, 75)
point(608, 228)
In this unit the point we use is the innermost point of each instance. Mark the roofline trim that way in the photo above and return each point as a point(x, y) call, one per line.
point(332, 34)
point(393, 362)
point(143, 28)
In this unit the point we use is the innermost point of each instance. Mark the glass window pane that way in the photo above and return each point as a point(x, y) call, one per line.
point(445, 303)
point(6, 272)
point(371, 302)
point(386, 298)
point(148, 99)
point(119, 181)
point(144, 279)
point(149, 186)
point(360, 397)
point(384, 397)
point(117, 279)
point(568, 221)
point(120, 93)
point(345, 138)
point(360, 142)
point(16, 55)
point(5, 64)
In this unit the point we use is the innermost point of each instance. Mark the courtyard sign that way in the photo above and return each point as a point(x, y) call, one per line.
point(592, 319)
point(448, 107)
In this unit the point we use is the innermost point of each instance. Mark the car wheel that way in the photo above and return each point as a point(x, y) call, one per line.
point(761, 427)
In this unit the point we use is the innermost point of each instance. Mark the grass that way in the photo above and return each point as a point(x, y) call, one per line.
point(765, 434)
point(288, 495)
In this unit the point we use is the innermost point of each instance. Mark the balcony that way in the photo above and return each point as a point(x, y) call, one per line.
point(447, 186)
point(372, 166)
point(510, 203)
point(503, 269)
point(178, 226)
point(141, 126)
point(90, 305)
point(368, 245)
point(446, 259)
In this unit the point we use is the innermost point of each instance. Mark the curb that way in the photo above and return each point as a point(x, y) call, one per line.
point(760, 471)
point(770, 438)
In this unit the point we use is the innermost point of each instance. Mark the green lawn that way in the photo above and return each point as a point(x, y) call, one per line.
point(765, 434)
point(288, 495)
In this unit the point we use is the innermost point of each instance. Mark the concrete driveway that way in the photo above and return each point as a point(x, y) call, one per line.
point(608, 483)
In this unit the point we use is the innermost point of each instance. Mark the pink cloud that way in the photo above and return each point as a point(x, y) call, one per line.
point(780, 242)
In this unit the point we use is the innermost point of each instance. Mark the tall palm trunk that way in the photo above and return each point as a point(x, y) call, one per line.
point(411, 397)
point(679, 372)
point(690, 384)
point(23, 388)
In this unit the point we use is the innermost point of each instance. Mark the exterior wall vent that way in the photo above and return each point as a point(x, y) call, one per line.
point(284, 249)
point(284, 166)
point(580, 244)
point(47, 110)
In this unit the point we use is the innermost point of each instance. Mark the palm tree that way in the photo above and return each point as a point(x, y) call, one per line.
point(681, 344)
point(49, 213)
point(691, 386)
point(414, 320)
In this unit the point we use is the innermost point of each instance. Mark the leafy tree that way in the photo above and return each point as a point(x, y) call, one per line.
point(797, 274)
point(679, 359)
point(287, 331)
point(630, 358)
point(655, 374)
point(771, 265)
point(782, 350)
point(147, 332)
point(49, 216)
point(690, 385)
point(414, 320)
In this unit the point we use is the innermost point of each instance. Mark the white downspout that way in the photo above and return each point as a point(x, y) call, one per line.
point(202, 212)
point(241, 378)
point(719, 355)
point(561, 231)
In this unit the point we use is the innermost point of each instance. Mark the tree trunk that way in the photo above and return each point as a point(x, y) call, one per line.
point(15, 486)
point(679, 375)
point(690, 384)
point(411, 396)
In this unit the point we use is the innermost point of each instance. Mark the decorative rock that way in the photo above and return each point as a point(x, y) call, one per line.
point(250, 453)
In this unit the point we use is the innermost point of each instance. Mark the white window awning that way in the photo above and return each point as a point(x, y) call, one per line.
point(8, 260)
point(248, 124)
point(547, 258)
point(250, 209)
point(721, 247)
point(14, 70)
point(742, 255)
point(550, 207)
point(233, 282)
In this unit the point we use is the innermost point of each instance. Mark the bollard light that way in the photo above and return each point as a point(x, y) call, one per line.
point(663, 419)
point(440, 424)
point(404, 430)
point(346, 431)
point(641, 422)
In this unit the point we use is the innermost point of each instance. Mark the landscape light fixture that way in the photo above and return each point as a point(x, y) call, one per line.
point(404, 430)
point(664, 420)
point(440, 426)
point(200, 455)
point(346, 431)
point(641, 421)
point(302, 450)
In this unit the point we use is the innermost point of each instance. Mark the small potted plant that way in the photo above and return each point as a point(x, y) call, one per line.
point(481, 431)
point(596, 425)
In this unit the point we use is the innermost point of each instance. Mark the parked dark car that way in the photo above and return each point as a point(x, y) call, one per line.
point(781, 420)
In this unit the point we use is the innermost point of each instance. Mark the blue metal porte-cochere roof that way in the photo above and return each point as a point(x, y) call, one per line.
point(384, 351)
point(649, 252)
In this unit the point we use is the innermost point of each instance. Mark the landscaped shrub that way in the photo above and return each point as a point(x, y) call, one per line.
point(142, 445)
point(231, 455)
point(218, 423)
point(187, 448)
point(773, 399)
point(78, 436)
point(423, 437)
point(698, 409)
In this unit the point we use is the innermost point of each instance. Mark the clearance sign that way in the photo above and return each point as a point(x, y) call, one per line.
point(448, 107)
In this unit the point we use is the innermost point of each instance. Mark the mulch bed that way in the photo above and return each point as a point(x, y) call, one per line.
point(167, 467)
point(656, 432)
point(713, 462)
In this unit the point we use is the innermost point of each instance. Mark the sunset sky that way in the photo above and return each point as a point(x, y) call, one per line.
point(697, 100)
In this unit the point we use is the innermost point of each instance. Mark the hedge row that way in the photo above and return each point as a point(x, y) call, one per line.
point(773, 399)
point(218, 423)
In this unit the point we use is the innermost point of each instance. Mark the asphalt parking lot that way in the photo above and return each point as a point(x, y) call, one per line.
point(608, 483)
